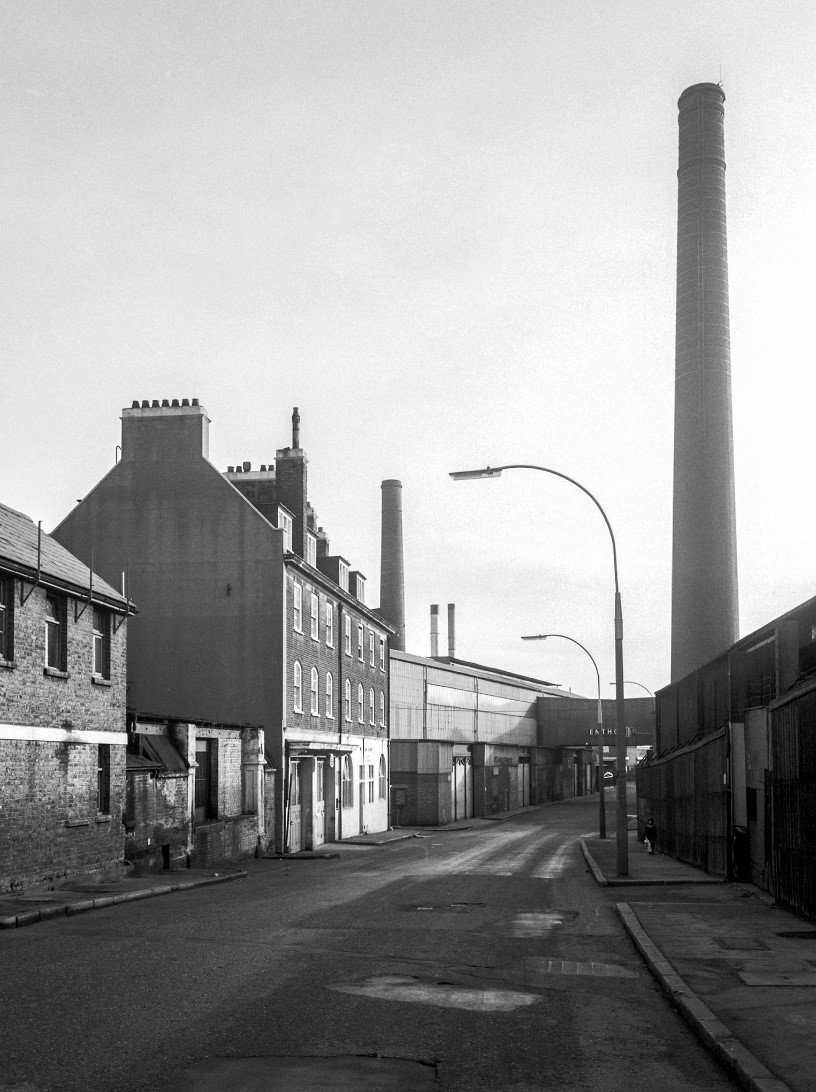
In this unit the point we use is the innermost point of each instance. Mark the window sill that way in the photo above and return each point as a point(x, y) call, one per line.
point(100, 818)
point(55, 673)
point(77, 822)
point(7, 665)
point(98, 680)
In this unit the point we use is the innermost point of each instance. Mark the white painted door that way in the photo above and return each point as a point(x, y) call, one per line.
point(295, 831)
point(319, 828)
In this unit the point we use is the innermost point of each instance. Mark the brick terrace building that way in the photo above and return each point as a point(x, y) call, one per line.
point(62, 710)
point(245, 619)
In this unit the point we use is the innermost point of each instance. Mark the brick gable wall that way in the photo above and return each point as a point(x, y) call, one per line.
point(49, 825)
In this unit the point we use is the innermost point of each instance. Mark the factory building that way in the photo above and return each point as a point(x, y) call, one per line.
point(465, 742)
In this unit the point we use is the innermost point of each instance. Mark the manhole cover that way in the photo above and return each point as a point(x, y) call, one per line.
point(798, 934)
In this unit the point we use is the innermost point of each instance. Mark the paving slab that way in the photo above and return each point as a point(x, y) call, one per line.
point(644, 868)
point(739, 969)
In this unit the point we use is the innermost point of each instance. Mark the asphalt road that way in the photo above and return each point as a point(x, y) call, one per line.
point(481, 959)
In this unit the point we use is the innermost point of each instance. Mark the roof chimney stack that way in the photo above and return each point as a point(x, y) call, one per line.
point(295, 428)
point(452, 630)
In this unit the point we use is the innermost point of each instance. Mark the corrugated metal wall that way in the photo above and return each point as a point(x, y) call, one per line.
point(685, 795)
point(793, 802)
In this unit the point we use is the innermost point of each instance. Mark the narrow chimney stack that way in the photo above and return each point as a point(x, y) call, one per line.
point(295, 428)
point(392, 569)
point(452, 630)
point(704, 548)
point(435, 630)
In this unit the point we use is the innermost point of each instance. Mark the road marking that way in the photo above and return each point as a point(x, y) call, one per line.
point(557, 864)
point(442, 995)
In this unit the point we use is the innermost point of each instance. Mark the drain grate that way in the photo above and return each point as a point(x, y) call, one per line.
point(446, 907)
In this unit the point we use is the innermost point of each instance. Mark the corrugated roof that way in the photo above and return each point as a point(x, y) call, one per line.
point(18, 547)
point(163, 751)
point(156, 754)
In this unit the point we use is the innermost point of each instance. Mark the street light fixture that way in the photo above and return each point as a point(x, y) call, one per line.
point(601, 804)
point(631, 682)
point(621, 831)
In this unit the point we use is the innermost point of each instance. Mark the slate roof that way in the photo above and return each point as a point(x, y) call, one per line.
point(18, 550)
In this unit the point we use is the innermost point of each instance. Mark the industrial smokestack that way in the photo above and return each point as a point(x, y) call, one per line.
point(434, 630)
point(295, 428)
point(392, 570)
point(452, 630)
point(704, 552)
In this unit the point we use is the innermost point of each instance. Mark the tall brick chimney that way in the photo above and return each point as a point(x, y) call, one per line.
point(704, 554)
point(392, 570)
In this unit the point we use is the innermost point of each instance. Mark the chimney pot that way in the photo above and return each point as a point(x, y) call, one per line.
point(155, 403)
point(247, 466)
point(263, 468)
point(185, 401)
point(145, 403)
point(175, 402)
point(230, 469)
point(165, 402)
point(134, 404)
point(195, 401)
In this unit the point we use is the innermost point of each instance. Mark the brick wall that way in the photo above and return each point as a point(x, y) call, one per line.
point(158, 814)
point(316, 653)
point(225, 841)
point(27, 696)
point(49, 827)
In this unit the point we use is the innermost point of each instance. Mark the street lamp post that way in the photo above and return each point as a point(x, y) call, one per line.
point(621, 831)
point(601, 803)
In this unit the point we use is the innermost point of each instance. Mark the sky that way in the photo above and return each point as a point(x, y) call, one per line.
point(446, 231)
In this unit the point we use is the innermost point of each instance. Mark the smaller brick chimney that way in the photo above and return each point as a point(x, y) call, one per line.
point(290, 475)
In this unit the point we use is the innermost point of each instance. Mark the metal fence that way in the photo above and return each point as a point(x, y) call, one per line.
point(685, 794)
point(793, 802)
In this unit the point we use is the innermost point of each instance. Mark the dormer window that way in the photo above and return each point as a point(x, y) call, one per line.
point(359, 591)
point(311, 549)
point(285, 525)
point(343, 578)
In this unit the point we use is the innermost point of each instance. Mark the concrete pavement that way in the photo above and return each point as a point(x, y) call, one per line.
point(94, 892)
point(740, 970)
